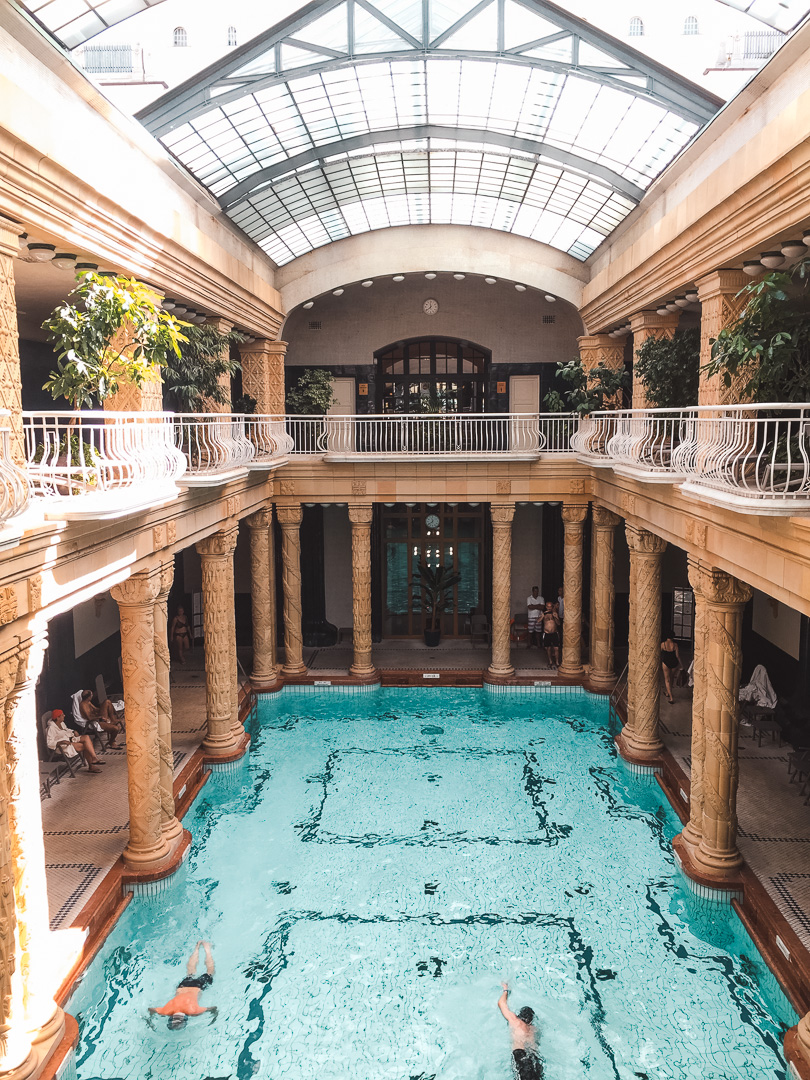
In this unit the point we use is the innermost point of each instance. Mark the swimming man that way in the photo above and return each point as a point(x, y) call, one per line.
point(528, 1065)
point(185, 1002)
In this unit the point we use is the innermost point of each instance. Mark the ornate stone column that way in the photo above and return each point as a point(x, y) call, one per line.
point(720, 304)
point(10, 384)
point(216, 554)
point(640, 739)
point(169, 824)
point(725, 598)
point(693, 830)
point(360, 515)
point(290, 520)
point(263, 597)
point(501, 665)
point(17, 1060)
point(644, 325)
point(42, 1016)
point(263, 374)
point(602, 590)
point(136, 597)
point(574, 516)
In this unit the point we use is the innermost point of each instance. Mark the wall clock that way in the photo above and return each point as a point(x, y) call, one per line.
point(430, 307)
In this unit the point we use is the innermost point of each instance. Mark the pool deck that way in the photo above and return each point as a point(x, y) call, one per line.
point(85, 821)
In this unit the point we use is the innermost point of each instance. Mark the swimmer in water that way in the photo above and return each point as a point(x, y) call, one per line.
point(525, 1058)
point(185, 1002)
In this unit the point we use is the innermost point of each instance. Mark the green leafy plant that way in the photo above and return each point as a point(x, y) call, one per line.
point(73, 453)
point(114, 333)
point(432, 588)
point(586, 391)
point(670, 369)
point(245, 404)
point(313, 393)
point(767, 347)
point(196, 374)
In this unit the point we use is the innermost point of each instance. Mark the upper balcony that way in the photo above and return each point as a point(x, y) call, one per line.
point(753, 458)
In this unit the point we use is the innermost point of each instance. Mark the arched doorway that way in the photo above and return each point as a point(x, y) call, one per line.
point(432, 375)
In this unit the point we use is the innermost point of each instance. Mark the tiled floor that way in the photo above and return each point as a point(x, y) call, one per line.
point(85, 821)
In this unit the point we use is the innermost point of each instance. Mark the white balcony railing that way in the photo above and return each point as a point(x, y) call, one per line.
point(269, 438)
point(15, 491)
point(101, 464)
point(463, 436)
point(215, 447)
point(752, 457)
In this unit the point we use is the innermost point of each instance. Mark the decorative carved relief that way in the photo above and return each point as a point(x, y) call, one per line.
point(168, 822)
point(696, 533)
point(217, 577)
point(503, 487)
point(287, 487)
point(263, 374)
point(10, 385)
point(8, 605)
point(290, 519)
point(361, 517)
point(577, 486)
point(34, 593)
point(358, 487)
point(262, 587)
point(502, 516)
point(629, 503)
point(720, 306)
point(694, 828)
point(603, 594)
point(644, 676)
point(222, 543)
point(233, 504)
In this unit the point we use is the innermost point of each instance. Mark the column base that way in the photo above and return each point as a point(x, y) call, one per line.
point(572, 671)
point(602, 681)
point(364, 673)
point(295, 670)
point(148, 859)
point(165, 867)
point(53, 1054)
point(499, 675)
point(636, 754)
point(795, 1054)
point(237, 751)
point(53, 1027)
point(217, 746)
point(729, 880)
point(22, 1071)
point(265, 680)
point(171, 829)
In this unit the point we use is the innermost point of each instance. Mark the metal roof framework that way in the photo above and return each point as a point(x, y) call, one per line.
point(784, 15)
point(72, 22)
point(354, 115)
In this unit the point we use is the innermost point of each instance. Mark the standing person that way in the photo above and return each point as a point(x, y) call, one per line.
point(185, 1002)
point(526, 1060)
point(551, 635)
point(59, 737)
point(534, 606)
point(103, 716)
point(670, 661)
point(180, 635)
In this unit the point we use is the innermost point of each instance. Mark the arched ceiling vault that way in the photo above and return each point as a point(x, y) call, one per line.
point(355, 115)
point(77, 21)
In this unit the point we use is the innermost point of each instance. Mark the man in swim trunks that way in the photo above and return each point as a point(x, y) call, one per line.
point(185, 1002)
point(551, 635)
point(525, 1059)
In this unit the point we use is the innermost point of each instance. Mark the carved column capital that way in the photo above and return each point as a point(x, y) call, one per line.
point(290, 516)
point(221, 543)
point(502, 515)
point(574, 513)
point(361, 513)
point(261, 519)
point(140, 589)
point(721, 589)
point(604, 518)
point(642, 542)
point(166, 579)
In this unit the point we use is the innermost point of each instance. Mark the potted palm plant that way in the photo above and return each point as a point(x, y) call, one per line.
point(431, 589)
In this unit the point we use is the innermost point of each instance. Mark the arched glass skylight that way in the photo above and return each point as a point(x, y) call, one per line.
point(73, 22)
point(355, 116)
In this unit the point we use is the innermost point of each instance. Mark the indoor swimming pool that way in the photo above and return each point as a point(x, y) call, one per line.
point(380, 862)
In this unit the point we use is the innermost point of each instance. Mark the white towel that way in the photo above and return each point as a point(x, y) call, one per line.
point(759, 690)
point(76, 700)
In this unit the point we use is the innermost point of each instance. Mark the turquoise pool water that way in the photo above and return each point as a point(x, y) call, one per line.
point(381, 862)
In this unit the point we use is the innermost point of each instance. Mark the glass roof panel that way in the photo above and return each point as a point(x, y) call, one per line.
point(355, 116)
point(783, 15)
point(72, 22)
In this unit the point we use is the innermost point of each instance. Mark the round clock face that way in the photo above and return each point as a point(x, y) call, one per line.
point(430, 307)
point(432, 521)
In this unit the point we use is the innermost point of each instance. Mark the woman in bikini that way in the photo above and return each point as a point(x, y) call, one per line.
point(670, 661)
point(180, 635)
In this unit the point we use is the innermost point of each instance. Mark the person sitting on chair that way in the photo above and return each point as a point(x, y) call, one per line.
point(59, 737)
point(104, 717)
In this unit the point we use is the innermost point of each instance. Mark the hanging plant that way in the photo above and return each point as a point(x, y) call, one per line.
point(114, 333)
point(767, 347)
point(670, 369)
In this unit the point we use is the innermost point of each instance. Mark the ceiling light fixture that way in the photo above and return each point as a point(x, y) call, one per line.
point(672, 306)
point(792, 249)
point(65, 260)
point(806, 239)
point(663, 310)
point(682, 301)
point(398, 277)
point(168, 305)
point(753, 267)
point(22, 240)
point(337, 292)
point(180, 309)
point(459, 277)
point(772, 259)
point(86, 268)
point(520, 288)
point(366, 284)
point(430, 277)
point(308, 305)
point(41, 252)
point(489, 281)
point(692, 296)
point(550, 299)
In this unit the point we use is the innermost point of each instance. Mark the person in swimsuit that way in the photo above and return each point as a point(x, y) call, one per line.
point(180, 634)
point(185, 1002)
point(103, 716)
point(670, 661)
point(551, 635)
point(525, 1059)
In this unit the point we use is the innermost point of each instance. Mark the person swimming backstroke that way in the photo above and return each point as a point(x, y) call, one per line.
point(185, 1002)
point(526, 1061)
